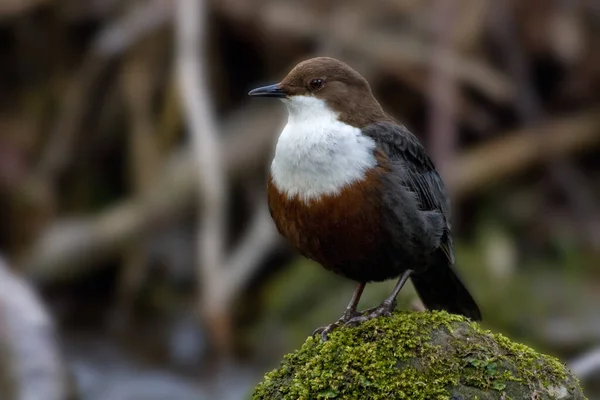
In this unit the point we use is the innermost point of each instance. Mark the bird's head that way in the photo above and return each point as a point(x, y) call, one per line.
point(324, 84)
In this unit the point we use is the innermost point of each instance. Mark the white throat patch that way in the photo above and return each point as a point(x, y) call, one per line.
point(316, 154)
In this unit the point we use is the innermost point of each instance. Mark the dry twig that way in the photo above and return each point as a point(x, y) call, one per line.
point(519, 150)
point(531, 111)
point(198, 112)
point(442, 90)
point(65, 247)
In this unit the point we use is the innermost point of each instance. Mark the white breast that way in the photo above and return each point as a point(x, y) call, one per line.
point(316, 154)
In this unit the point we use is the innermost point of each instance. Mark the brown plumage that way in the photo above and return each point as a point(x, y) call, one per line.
point(342, 232)
point(340, 85)
point(354, 190)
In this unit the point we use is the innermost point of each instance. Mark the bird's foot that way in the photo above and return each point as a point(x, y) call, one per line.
point(383, 310)
point(324, 331)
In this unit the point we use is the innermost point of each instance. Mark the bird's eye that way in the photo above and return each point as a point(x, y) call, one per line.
point(316, 84)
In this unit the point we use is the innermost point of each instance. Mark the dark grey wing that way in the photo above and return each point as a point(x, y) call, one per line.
point(439, 285)
point(419, 174)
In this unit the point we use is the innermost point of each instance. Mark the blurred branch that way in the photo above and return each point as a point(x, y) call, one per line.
point(61, 251)
point(144, 163)
point(259, 239)
point(112, 41)
point(198, 112)
point(531, 111)
point(170, 118)
point(413, 52)
point(57, 152)
point(381, 50)
point(27, 338)
point(442, 87)
point(519, 150)
point(140, 20)
point(12, 7)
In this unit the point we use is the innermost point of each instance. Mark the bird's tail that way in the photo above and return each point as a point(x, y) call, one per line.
point(440, 288)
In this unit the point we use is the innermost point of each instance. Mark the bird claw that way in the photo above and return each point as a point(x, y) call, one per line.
point(355, 318)
point(324, 331)
point(383, 310)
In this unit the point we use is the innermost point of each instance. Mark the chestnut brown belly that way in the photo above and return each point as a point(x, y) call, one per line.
point(344, 233)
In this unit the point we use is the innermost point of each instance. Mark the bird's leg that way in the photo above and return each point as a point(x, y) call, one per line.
point(348, 314)
point(386, 307)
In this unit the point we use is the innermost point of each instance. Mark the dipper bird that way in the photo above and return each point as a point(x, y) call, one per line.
point(352, 189)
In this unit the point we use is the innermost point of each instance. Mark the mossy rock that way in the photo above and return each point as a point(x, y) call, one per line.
point(417, 355)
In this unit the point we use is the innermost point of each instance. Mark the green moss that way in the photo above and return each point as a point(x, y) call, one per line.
point(417, 355)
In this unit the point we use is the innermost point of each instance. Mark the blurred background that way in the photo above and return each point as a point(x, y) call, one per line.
point(139, 260)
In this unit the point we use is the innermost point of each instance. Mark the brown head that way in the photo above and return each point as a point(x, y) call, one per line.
point(343, 89)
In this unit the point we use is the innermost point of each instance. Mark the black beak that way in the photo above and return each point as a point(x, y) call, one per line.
point(268, 91)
